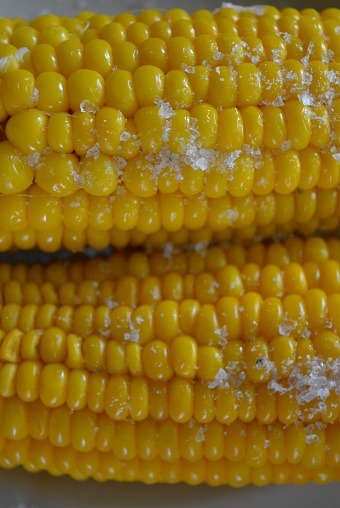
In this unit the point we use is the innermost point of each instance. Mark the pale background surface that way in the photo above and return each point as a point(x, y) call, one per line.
point(19, 489)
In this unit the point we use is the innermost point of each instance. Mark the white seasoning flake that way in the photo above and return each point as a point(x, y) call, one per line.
point(200, 437)
point(286, 145)
point(336, 156)
point(4, 63)
point(312, 438)
point(93, 152)
point(34, 99)
point(164, 109)
point(87, 107)
point(125, 136)
point(33, 160)
point(306, 98)
point(20, 53)
point(218, 56)
point(189, 69)
point(220, 381)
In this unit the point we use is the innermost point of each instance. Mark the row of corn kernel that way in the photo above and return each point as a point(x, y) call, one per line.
point(228, 281)
point(185, 357)
point(150, 16)
point(171, 441)
point(244, 318)
point(54, 33)
point(193, 261)
point(221, 86)
point(269, 281)
point(71, 55)
point(82, 218)
point(63, 237)
point(152, 23)
point(37, 455)
point(190, 260)
point(57, 50)
point(41, 422)
point(268, 127)
point(137, 397)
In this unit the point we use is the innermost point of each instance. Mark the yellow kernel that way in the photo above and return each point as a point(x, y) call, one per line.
point(223, 88)
point(27, 131)
point(242, 176)
point(53, 35)
point(156, 361)
point(110, 125)
point(17, 88)
point(25, 37)
point(52, 90)
point(316, 307)
point(199, 83)
point(57, 173)
point(149, 125)
point(181, 53)
point(120, 92)
point(209, 362)
point(85, 89)
point(16, 174)
point(14, 421)
point(226, 406)
point(230, 45)
point(59, 133)
point(298, 121)
point(125, 56)
point(274, 127)
point(230, 130)
point(288, 169)
point(181, 400)
point(116, 398)
point(98, 175)
point(248, 85)
point(78, 383)
point(207, 118)
point(177, 90)
point(98, 57)
point(184, 356)
point(257, 357)
point(70, 55)
point(271, 81)
point(205, 48)
point(137, 33)
point(53, 385)
point(82, 431)
point(283, 354)
point(275, 47)
point(44, 58)
point(149, 85)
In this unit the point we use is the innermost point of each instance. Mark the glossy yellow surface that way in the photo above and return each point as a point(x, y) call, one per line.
point(151, 92)
point(211, 364)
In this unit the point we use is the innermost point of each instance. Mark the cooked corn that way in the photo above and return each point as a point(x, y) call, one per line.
point(166, 127)
point(209, 365)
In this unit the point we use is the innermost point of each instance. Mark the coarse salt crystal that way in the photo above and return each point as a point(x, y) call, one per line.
point(87, 107)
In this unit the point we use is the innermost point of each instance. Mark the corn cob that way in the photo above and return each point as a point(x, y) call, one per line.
point(196, 369)
point(165, 127)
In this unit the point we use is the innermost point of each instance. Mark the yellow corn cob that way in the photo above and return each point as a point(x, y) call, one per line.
point(166, 127)
point(188, 367)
